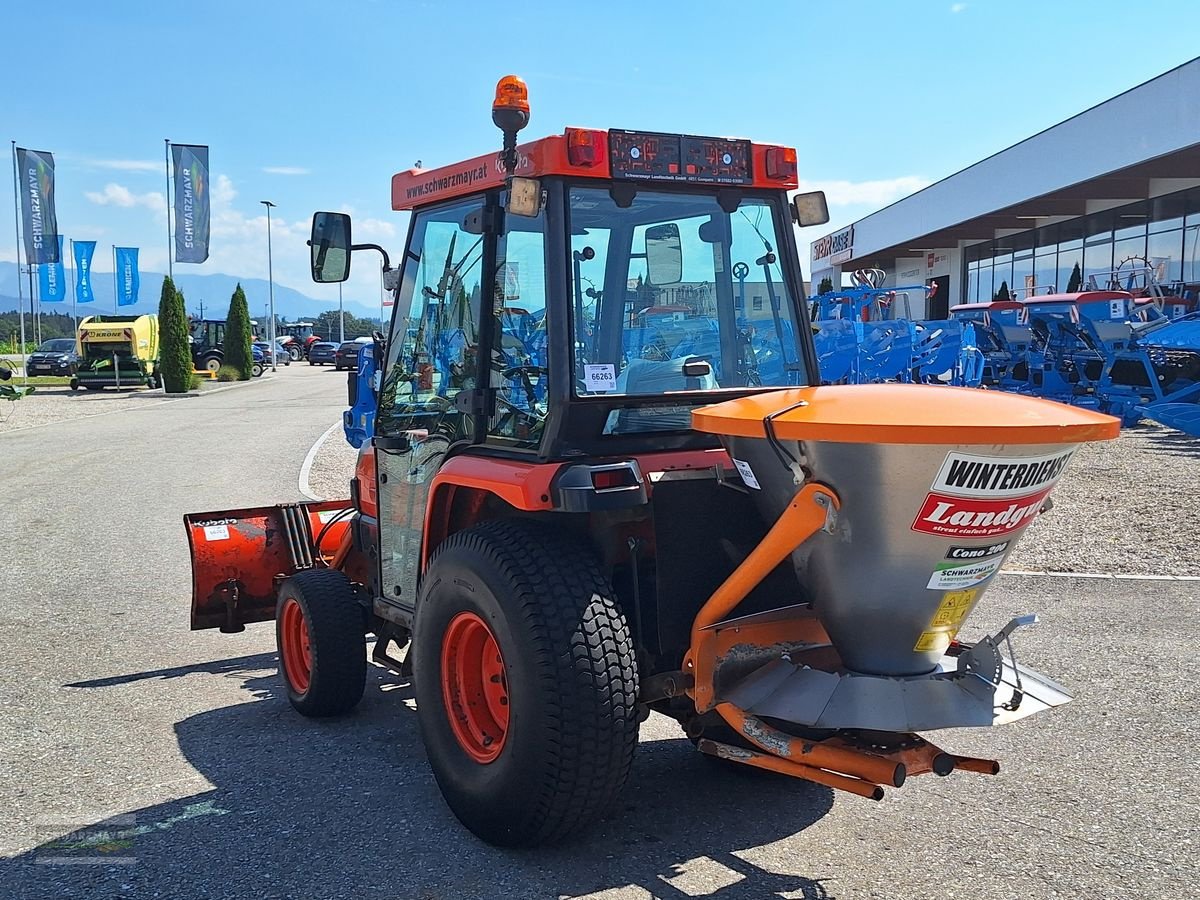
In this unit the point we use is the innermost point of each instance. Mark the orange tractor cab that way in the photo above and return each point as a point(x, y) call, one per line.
point(598, 486)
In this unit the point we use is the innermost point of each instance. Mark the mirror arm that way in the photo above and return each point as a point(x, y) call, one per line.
point(387, 263)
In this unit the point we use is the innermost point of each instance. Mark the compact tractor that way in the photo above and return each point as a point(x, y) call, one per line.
point(597, 484)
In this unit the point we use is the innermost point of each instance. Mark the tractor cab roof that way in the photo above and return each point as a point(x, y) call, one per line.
point(613, 154)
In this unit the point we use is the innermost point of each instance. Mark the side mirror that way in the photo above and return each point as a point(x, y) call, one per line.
point(810, 209)
point(664, 254)
point(329, 247)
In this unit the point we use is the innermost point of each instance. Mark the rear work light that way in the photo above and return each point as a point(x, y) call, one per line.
point(584, 147)
point(781, 163)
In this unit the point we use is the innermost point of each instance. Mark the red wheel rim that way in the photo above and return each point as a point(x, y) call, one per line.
point(294, 646)
point(475, 687)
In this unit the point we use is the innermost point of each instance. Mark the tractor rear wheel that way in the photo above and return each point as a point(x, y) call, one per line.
point(320, 632)
point(526, 683)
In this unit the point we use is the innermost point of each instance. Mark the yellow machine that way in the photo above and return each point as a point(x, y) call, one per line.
point(117, 351)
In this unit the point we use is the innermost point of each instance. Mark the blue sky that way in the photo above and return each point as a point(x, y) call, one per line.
point(314, 105)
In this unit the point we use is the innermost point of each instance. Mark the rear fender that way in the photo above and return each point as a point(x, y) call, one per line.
point(467, 486)
point(239, 555)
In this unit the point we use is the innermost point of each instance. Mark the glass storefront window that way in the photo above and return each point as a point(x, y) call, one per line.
point(1045, 272)
point(1097, 264)
point(985, 284)
point(1191, 254)
point(1021, 285)
point(1130, 227)
point(1129, 247)
point(1165, 252)
point(1164, 230)
point(1067, 261)
point(1099, 228)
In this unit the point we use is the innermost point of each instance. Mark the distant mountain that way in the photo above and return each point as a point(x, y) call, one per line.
point(214, 290)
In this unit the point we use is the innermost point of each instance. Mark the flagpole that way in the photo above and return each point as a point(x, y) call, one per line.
point(17, 222)
point(167, 163)
point(116, 296)
point(35, 307)
point(74, 293)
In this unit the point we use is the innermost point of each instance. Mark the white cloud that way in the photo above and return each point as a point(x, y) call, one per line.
point(957, 7)
point(375, 230)
point(129, 165)
point(285, 170)
point(119, 195)
point(866, 193)
point(223, 191)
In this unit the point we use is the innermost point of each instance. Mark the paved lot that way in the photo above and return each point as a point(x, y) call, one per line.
point(111, 708)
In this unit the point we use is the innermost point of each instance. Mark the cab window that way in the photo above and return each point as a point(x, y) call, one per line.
point(433, 348)
point(520, 355)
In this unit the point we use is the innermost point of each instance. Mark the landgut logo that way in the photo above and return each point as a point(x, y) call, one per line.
point(969, 517)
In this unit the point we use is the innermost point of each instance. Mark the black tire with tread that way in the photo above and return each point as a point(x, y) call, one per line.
point(572, 677)
point(336, 632)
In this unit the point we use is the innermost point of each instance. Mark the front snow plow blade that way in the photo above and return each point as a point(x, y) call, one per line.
point(896, 505)
point(239, 556)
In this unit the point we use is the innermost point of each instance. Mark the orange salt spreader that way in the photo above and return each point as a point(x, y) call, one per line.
point(896, 505)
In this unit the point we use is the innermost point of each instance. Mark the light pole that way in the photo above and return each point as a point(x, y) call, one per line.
point(270, 285)
point(341, 317)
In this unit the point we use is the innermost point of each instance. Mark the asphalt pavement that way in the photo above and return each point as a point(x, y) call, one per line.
point(138, 759)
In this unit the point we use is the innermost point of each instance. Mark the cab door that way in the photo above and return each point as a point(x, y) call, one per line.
point(432, 356)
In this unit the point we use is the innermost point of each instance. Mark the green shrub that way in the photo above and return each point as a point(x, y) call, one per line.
point(1075, 282)
point(228, 373)
point(238, 334)
point(825, 286)
point(175, 353)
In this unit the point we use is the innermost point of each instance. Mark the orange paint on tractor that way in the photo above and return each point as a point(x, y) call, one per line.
point(577, 152)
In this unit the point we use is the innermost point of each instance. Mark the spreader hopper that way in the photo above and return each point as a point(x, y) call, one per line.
point(897, 505)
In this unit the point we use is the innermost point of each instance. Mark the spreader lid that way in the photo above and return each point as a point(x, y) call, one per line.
point(905, 414)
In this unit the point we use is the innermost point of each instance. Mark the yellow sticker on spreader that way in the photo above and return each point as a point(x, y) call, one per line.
point(953, 609)
point(949, 616)
point(932, 640)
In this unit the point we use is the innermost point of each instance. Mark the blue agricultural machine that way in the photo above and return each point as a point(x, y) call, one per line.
point(1129, 349)
point(1109, 350)
point(866, 334)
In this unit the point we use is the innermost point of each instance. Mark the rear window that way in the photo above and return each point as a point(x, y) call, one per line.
point(350, 345)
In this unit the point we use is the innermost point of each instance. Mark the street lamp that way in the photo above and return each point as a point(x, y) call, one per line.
point(341, 317)
point(270, 285)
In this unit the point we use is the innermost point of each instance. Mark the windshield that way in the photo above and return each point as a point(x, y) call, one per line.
point(58, 345)
point(673, 293)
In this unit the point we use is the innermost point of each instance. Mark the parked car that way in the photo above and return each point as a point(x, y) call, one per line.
point(279, 356)
point(347, 353)
point(292, 347)
point(54, 357)
point(322, 352)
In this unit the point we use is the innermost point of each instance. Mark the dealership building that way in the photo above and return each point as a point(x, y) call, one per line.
point(1101, 191)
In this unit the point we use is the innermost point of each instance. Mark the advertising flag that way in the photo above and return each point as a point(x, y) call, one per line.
point(52, 281)
point(191, 203)
point(83, 271)
point(35, 171)
point(128, 280)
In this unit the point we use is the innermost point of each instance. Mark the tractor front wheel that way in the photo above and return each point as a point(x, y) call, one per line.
point(526, 683)
point(320, 632)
